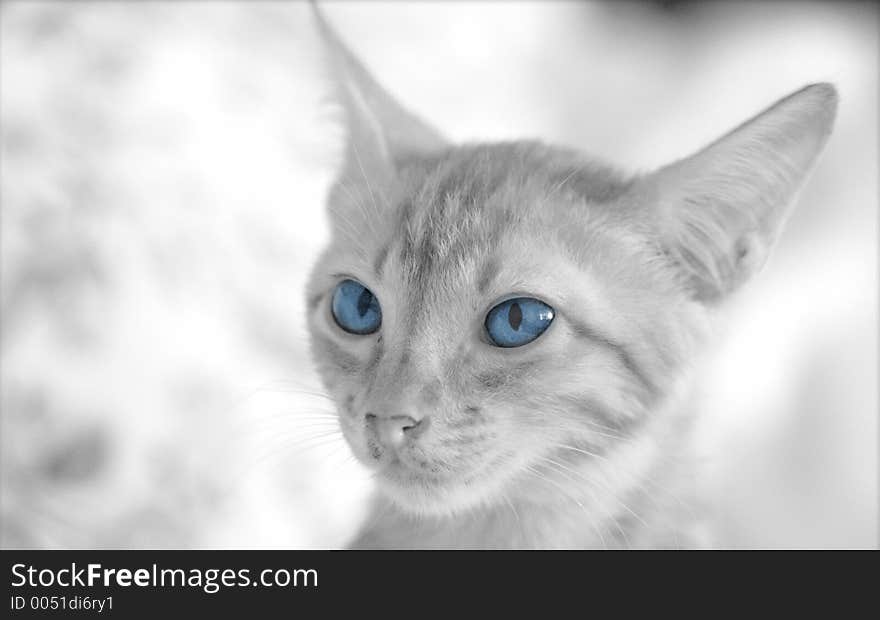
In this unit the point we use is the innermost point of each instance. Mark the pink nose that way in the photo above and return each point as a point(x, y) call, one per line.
point(393, 431)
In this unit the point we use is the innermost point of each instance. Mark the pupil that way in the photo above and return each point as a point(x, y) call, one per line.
point(514, 316)
point(364, 301)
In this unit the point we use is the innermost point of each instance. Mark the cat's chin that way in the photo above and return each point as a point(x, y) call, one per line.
point(427, 502)
point(411, 492)
point(428, 497)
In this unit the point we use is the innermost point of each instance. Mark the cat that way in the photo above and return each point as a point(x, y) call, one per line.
point(509, 330)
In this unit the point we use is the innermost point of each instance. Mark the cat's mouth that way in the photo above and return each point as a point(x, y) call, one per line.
point(419, 476)
point(404, 469)
point(411, 480)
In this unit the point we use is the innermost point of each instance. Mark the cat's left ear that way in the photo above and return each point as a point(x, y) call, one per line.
point(720, 211)
point(381, 132)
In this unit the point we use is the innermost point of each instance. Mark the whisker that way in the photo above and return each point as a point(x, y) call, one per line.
point(283, 425)
point(598, 484)
point(368, 219)
point(639, 482)
point(607, 513)
point(366, 181)
point(563, 182)
point(282, 444)
point(575, 500)
point(289, 416)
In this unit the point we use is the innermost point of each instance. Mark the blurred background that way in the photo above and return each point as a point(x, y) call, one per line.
point(162, 180)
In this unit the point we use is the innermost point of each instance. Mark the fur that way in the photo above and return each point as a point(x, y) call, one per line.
point(579, 439)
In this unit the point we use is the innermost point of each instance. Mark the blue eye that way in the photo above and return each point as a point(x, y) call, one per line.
point(355, 309)
point(516, 322)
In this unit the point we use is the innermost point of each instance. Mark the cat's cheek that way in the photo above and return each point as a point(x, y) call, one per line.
point(366, 450)
point(358, 445)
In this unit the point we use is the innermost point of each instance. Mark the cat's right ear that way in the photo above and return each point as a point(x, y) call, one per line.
point(380, 131)
point(720, 211)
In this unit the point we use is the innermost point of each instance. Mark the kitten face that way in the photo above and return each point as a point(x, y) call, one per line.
point(442, 246)
point(430, 237)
